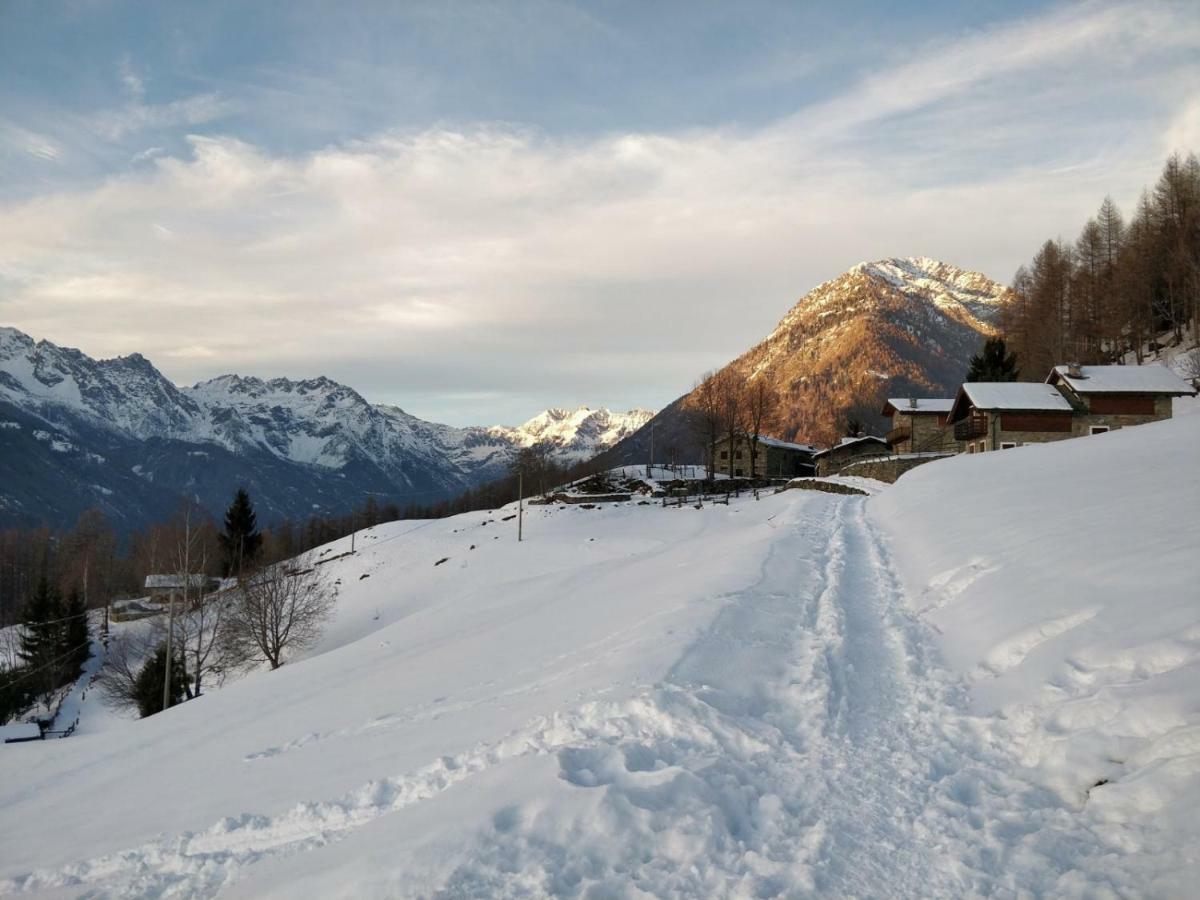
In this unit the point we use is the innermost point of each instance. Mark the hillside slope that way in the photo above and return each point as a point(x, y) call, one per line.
point(980, 681)
point(894, 327)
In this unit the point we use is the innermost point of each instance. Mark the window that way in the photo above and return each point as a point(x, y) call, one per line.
point(1007, 445)
point(724, 454)
point(737, 473)
point(1097, 429)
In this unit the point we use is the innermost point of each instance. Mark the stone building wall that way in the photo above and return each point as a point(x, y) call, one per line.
point(1082, 424)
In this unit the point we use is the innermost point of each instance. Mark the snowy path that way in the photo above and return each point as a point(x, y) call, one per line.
point(806, 743)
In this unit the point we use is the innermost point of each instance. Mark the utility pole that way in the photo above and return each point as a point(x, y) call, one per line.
point(520, 505)
point(170, 631)
point(352, 524)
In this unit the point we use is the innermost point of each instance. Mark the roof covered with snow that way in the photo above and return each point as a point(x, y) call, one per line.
point(1011, 395)
point(847, 441)
point(1151, 379)
point(175, 581)
point(916, 405)
point(785, 445)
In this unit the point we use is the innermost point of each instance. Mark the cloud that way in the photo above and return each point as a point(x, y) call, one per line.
point(135, 116)
point(1183, 134)
point(442, 264)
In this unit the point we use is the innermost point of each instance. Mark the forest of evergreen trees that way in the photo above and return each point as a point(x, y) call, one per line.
point(1118, 285)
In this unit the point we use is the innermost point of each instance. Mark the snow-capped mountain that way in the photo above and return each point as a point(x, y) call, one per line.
point(100, 431)
point(574, 435)
point(898, 327)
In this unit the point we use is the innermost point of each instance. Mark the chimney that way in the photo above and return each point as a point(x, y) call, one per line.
point(1075, 370)
point(912, 402)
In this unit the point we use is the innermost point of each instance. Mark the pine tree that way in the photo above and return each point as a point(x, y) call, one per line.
point(149, 686)
point(41, 640)
point(993, 363)
point(241, 540)
point(76, 637)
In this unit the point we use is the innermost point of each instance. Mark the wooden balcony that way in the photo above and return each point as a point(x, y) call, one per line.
point(898, 435)
point(971, 427)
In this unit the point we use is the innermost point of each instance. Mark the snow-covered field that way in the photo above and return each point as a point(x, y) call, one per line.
point(915, 693)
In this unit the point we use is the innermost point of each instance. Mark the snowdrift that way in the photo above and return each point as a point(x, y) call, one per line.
point(1064, 583)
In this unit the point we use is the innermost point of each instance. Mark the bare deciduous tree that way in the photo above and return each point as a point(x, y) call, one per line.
point(762, 404)
point(127, 652)
point(275, 610)
point(704, 410)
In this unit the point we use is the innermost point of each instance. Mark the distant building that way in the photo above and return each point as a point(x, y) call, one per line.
point(851, 449)
point(1110, 397)
point(919, 424)
point(774, 458)
point(999, 415)
point(166, 587)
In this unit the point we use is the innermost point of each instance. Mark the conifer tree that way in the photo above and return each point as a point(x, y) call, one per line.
point(993, 363)
point(41, 640)
point(148, 689)
point(75, 643)
point(241, 539)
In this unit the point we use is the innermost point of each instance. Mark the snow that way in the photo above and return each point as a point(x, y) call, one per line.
point(785, 445)
point(915, 693)
point(919, 404)
point(19, 731)
point(1145, 379)
point(1016, 395)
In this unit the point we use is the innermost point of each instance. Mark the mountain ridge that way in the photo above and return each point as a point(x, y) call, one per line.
point(905, 326)
point(335, 445)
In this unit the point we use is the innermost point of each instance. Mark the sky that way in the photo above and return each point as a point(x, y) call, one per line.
point(478, 210)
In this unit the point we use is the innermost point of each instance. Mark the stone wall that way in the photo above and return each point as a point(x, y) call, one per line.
point(888, 469)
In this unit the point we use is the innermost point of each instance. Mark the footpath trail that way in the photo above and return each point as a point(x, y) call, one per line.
point(807, 743)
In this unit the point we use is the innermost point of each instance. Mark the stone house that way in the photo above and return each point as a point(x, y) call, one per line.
point(162, 588)
point(919, 424)
point(773, 459)
point(1110, 397)
point(1002, 415)
point(831, 460)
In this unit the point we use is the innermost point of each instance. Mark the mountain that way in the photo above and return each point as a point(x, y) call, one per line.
point(898, 327)
point(77, 432)
point(574, 435)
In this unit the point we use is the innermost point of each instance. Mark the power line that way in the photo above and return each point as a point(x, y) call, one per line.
point(86, 612)
point(52, 662)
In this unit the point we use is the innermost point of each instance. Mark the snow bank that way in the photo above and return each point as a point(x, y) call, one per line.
point(1064, 582)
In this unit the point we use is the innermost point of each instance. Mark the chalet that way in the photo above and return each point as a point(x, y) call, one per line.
point(851, 449)
point(919, 424)
point(1109, 397)
point(1001, 415)
point(773, 458)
